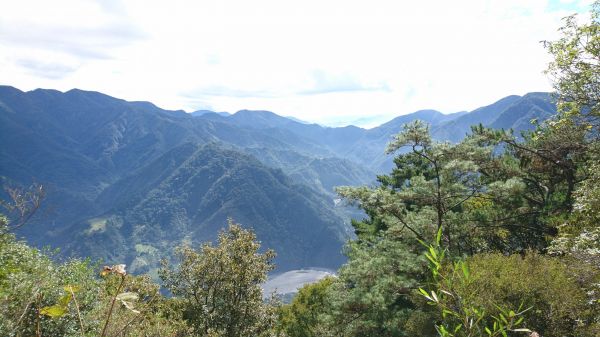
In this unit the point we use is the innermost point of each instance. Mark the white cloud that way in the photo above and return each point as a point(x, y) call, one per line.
point(319, 61)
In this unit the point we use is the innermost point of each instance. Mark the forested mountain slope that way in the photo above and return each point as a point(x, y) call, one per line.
point(187, 194)
point(128, 178)
point(111, 168)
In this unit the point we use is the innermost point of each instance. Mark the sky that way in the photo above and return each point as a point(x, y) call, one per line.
point(334, 62)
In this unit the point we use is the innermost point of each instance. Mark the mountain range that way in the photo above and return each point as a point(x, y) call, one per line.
point(128, 181)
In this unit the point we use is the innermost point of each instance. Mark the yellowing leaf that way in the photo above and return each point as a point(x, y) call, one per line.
point(105, 271)
point(128, 296)
point(54, 311)
point(71, 288)
point(64, 301)
point(130, 306)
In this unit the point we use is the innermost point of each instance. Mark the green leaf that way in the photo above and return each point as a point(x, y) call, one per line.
point(449, 312)
point(503, 319)
point(433, 252)
point(465, 270)
point(521, 312)
point(426, 294)
point(438, 237)
point(433, 261)
point(54, 311)
point(443, 330)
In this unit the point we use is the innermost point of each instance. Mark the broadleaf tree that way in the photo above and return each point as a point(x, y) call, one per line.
point(220, 285)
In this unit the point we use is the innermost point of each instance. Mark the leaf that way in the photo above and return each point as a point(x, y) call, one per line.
point(433, 261)
point(422, 243)
point(503, 319)
point(54, 311)
point(71, 288)
point(433, 252)
point(521, 312)
point(64, 301)
point(446, 292)
point(521, 330)
point(446, 312)
point(434, 296)
point(465, 270)
point(438, 237)
point(425, 294)
point(130, 306)
point(128, 296)
point(442, 329)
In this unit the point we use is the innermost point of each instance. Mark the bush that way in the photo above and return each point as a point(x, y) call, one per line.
point(41, 297)
point(304, 316)
point(558, 304)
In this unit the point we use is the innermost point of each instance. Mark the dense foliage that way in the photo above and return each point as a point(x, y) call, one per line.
point(220, 286)
point(217, 293)
point(496, 235)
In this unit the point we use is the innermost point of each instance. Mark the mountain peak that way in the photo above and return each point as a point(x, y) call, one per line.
point(428, 115)
point(246, 112)
point(6, 89)
point(260, 118)
point(201, 112)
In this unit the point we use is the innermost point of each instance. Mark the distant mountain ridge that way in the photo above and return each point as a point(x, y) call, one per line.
point(366, 146)
point(129, 180)
point(204, 112)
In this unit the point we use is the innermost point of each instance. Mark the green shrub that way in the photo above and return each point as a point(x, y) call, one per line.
point(304, 316)
point(546, 284)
